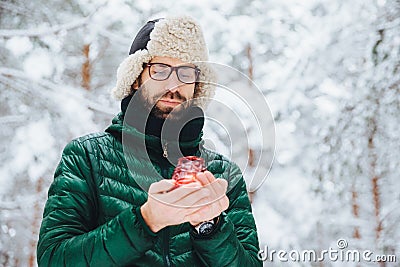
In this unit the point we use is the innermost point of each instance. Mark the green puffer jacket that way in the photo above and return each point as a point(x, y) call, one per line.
point(92, 215)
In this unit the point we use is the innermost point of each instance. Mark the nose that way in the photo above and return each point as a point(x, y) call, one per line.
point(172, 83)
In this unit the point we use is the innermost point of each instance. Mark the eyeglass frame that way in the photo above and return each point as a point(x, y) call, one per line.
point(173, 69)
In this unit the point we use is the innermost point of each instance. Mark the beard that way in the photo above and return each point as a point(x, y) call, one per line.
point(151, 103)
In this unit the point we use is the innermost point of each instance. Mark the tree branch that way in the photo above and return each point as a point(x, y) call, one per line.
point(55, 89)
point(44, 31)
point(12, 119)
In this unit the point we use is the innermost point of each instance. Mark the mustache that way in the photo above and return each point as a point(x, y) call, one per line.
point(172, 95)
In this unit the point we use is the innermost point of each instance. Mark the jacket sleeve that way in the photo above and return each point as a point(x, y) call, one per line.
point(234, 242)
point(69, 234)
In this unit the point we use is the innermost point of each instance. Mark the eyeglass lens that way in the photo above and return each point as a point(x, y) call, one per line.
point(160, 72)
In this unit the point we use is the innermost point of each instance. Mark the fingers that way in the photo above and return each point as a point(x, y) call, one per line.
point(208, 212)
point(202, 178)
point(217, 202)
point(182, 196)
point(210, 177)
point(212, 180)
point(224, 203)
point(218, 188)
point(187, 196)
point(200, 215)
point(190, 196)
point(161, 186)
point(205, 177)
point(221, 185)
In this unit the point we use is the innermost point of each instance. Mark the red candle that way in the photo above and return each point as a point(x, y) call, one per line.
point(187, 168)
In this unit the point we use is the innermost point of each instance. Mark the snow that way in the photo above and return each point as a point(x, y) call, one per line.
point(33, 143)
point(19, 45)
point(325, 104)
point(38, 65)
point(5, 181)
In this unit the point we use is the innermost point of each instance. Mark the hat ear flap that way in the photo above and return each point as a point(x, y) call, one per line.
point(128, 71)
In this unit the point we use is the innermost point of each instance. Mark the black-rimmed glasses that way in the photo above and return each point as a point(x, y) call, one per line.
point(161, 72)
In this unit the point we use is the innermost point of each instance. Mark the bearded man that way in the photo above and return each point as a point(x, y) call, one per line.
point(113, 202)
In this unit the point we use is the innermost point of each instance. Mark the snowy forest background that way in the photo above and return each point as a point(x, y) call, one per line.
point(330, 71)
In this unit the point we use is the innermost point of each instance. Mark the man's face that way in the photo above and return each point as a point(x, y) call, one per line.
point(166, 95)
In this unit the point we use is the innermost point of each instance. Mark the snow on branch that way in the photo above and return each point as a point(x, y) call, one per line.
point(9, 205)
point(44, 31)
point(55, 89)
point(14, 8)
point(35, 32)
point(12, 119)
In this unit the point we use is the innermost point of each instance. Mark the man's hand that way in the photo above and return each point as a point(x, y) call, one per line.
point(194, 202)
point(171, 205)
point(217, 201)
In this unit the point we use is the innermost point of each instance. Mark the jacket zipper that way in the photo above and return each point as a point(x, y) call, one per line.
point(165, 150)
point(165, 247)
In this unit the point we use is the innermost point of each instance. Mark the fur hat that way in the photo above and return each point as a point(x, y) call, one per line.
point(178, 37)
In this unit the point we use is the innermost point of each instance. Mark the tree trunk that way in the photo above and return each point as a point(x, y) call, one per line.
point(86, 68)
point(375, 181)
point(37, 215)
point(355, 210)
point(251, 156)
point(250, 59)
